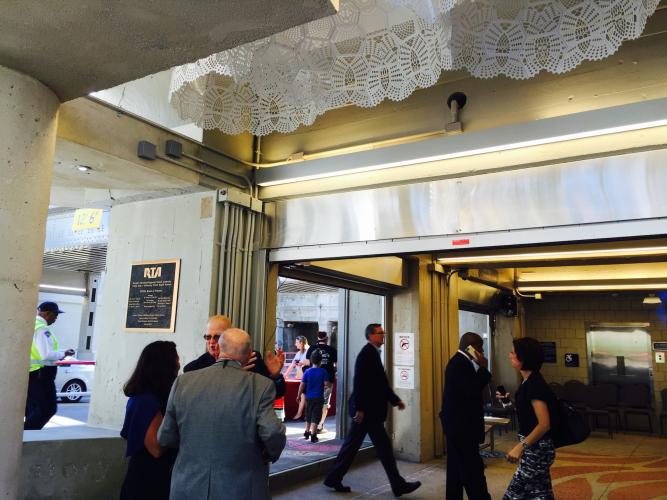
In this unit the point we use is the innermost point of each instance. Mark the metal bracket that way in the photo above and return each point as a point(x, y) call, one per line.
point(236, 197)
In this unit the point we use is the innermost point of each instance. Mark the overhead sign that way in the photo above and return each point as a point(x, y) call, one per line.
point(151, 304)
point(87, 218)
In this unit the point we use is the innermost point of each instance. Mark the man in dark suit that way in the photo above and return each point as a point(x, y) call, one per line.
point(368, 409)
point(270, 368)
point(462, 418)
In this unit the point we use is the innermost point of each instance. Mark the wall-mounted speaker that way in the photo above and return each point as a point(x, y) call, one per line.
point(508, 305)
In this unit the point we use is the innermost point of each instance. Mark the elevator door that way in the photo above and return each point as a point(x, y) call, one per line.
point(619, 354)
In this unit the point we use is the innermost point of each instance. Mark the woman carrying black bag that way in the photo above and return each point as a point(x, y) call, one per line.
point(535, 401)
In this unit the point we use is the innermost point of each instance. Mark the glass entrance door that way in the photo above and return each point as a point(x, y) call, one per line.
point(360, 309)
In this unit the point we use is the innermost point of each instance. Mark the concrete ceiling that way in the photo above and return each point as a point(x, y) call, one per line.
point(79, 46)
point(111, 180)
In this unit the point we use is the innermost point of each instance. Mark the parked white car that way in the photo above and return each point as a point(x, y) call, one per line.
point(74, 379)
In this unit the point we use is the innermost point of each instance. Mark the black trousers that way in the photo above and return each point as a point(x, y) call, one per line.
point(41, 404)
point(465, 469)
point(351, 445)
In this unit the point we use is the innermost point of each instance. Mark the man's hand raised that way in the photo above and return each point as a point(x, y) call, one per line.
point(251, 362)
point(274, 362)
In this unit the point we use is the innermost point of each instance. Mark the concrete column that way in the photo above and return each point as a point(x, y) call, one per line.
point(28, 113)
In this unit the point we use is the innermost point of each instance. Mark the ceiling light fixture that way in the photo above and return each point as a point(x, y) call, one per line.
point(625, 118)
point(83, 168)
point(592, 287)
point(62, 288)
point(557, 255)
point(651, 298)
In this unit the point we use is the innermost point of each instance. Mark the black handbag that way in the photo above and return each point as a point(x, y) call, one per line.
point(569, 425)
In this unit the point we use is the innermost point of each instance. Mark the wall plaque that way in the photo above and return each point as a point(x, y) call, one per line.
point(151, 304)
point(549, 349)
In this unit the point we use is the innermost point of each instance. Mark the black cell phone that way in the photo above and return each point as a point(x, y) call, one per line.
point(501, 389)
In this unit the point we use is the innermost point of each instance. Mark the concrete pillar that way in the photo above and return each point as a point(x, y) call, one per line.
point(28, 113)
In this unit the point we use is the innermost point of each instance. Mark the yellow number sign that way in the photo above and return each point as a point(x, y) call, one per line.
point(87, 218)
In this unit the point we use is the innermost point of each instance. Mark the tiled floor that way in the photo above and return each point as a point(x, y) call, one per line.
point(299, 451)
point(627, 467)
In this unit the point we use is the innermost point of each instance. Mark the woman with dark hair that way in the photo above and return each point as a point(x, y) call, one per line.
point(149, 468)
point(301, 363)
point(535, 451)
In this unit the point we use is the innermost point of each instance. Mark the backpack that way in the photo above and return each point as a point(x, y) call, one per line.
point(569, 425)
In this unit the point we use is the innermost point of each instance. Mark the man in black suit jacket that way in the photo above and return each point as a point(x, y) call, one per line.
point(214, 328)
point(462, 418)
point(368, 409)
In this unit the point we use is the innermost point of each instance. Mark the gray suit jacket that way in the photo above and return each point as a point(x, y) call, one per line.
point(222, 420)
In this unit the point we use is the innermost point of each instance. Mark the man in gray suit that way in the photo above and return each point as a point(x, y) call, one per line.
point(222, 421)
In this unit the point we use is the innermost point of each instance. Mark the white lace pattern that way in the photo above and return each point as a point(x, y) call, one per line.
point(385, 49)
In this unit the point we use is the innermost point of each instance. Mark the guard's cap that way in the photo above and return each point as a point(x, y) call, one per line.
point(49, 307)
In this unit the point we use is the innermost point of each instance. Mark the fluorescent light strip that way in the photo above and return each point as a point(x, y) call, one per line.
point(574, 288)
point(63, 288)
point(631, 117)
point(474, 152)
point(562, 255)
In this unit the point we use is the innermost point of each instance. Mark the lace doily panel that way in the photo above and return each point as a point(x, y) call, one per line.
point(385, 49)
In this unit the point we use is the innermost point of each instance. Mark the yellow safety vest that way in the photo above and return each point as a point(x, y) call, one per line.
point(35, 356)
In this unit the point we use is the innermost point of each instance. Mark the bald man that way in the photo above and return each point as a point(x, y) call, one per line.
point(462, 417)
point(224, 449)
point(270, 368)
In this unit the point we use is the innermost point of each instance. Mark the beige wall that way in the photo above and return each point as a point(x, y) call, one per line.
point(166, 228)
point(563, 319)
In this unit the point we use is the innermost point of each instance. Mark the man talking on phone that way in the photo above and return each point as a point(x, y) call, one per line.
point(462, 417)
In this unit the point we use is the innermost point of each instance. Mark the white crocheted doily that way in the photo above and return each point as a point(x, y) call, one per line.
point(385, 49)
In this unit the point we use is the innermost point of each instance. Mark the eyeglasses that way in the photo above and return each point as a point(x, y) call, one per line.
point(214, 337)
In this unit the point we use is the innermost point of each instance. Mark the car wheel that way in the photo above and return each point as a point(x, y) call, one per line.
point(73, 388)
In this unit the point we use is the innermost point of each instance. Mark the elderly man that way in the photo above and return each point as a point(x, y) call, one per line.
point(271, 368)
point(221, 419)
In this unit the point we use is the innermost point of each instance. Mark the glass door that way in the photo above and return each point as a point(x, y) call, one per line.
point(359, 310)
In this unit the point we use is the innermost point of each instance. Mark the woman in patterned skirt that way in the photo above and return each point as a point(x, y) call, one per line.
point(534, 401)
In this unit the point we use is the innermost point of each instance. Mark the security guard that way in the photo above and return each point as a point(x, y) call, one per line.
point(41, 404)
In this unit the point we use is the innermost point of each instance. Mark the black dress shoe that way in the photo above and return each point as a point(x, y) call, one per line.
point(337, 486)
point(407, 488)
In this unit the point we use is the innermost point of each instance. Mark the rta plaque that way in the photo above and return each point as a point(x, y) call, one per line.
point(151, 304)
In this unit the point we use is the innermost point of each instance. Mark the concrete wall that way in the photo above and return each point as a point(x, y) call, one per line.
point(503, 373)
point(320, 307)
point(563, 319)
point(167, 228)
point(406, 424)
point(72, 469)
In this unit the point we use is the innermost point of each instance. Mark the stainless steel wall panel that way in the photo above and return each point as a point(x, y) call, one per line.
point(601, 190)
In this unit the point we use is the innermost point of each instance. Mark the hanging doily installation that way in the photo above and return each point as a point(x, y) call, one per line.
point(385, 49)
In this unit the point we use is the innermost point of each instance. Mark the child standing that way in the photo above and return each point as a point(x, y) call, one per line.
point(312, 384)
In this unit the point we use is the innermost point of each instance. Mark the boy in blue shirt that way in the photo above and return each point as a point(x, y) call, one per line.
point(314, 380)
